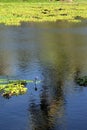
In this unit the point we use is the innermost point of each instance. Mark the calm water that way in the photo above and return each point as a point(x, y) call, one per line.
point(56, 53)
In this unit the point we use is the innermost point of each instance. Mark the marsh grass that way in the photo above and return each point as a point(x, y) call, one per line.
point(16, 13)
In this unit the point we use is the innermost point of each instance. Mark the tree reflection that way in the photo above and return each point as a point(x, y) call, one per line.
point(50, 111)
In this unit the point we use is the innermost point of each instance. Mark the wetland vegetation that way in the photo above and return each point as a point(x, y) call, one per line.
point(37, 44)
point(12, 87)
point(16, 13)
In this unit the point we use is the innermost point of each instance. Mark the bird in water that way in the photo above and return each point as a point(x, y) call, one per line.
point(35, 81)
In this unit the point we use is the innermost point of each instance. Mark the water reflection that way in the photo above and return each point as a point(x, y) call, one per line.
point(46, 114)
point(56, 53)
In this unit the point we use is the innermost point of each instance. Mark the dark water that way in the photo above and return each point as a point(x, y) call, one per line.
point(56, 53)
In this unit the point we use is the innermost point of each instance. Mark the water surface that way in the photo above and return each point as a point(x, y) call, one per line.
point(56, 53)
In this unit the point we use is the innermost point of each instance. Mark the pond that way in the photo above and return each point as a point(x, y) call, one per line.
point(55, 53)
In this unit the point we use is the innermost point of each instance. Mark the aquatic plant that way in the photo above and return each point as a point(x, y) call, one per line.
point(82, 81)
point(9, 88)
point(15, 13)
point(13, 88)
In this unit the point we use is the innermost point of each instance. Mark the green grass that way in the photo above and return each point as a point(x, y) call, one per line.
point(16, 13)
point(40, 1)
point(19, 1)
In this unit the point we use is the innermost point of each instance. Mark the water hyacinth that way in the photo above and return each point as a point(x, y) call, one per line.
point(16, 13)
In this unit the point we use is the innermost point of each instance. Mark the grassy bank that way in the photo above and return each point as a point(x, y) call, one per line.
point(15, 13)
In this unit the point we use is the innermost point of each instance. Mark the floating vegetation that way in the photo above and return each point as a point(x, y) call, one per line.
point(12, 88)
point(9, 88)
point(15, 13)
point(82, 81)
